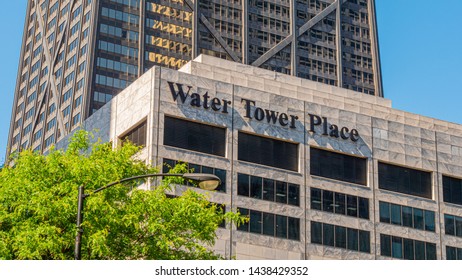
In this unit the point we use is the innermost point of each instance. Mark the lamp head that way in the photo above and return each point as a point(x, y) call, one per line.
point(207, 182)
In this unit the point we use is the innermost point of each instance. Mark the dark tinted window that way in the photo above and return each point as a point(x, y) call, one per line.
point(407, 216)
point(293, 228)
point(136, 135)
point(267, 151)
point(256, 187)
point(430, 251)
point(281, 226)
point(328, 235)
point(316, 202)
point(316, 233)
point(327, 201)
point(396, 247)
point(403, 248)
point(195, 136)
point(451, 253)
point(270, 224)
point(338, 166)
point(449, 225)
point(385, 245)
point(340, 237)
point(452, 190)
point(363, 204)
point(255, 221)
point(405, 180)
point(408, 249)
point(384, 212)
point(429, 220)
point(268, 189)
point(339, 203)
point(243, 185)
point(418, 218)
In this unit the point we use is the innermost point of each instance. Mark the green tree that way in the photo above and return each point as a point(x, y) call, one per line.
point(38, 208)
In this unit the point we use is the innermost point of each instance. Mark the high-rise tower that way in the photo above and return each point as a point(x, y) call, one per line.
point(77, 54)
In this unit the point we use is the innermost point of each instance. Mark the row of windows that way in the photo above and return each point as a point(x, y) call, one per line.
point(268, 189)
point(196, 168)
point(338, 166)
point(119, 32)
point(194, 136)
point(136, 135)
point(339, 203)
point(340, 237)
point(169, 45)
point(105, 98)
point(407, 216)
point(119, 49)
point(170, 28)
point(409, 249)
point(130, 3)
point(117, 65)
point(168, 61)
point(270, 224)
point(280, 154)
point(169, 12)
point(118, 15)
point(111, 82)
point(405, 180)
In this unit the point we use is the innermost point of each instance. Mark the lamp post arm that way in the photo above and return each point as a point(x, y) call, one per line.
point(134, 178)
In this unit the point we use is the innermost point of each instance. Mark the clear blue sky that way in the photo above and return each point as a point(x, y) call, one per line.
point(420, 46)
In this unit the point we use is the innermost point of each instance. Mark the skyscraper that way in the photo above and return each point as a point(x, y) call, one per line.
point(77, 54)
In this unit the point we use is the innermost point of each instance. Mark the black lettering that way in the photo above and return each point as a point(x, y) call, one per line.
point(283, 119)
point(195, 100)
point(354, 135)
point(180, 91)
point(271, 116)
point(225, 106)
point(206, 100)
point(333, 131)
point(248, 103)
point(324, 126)
point(344, 133)
point(216, 104)
point(314, 120)
point(292, 121)
point(259, 114)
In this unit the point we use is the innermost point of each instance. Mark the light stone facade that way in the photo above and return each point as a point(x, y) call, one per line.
point(386, 135)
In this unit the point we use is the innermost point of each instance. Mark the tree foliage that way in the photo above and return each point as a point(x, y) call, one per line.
point(38, 208)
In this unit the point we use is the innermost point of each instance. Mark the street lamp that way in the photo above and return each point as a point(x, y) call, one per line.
point(205, 181)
